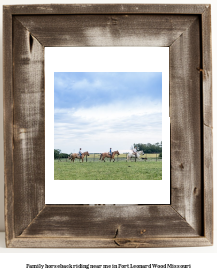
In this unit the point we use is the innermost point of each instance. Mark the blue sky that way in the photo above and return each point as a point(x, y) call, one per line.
point(99, 110)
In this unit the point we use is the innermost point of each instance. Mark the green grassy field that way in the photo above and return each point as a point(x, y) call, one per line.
point(98, 170)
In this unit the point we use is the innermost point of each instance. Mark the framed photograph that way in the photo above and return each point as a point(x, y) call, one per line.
point(96, 107)
point(104, 82)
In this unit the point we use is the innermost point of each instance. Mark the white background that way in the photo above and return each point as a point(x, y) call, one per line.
point(203, 258)
point(77, 59)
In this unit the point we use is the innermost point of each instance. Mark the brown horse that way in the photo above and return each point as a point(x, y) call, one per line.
point(103, 155)
point(75, 155)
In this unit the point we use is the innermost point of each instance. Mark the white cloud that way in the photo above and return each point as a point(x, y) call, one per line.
point(114, 125)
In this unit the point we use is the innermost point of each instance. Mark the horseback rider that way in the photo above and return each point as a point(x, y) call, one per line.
point(135, 151)
point(80, 152)
point(110, 152)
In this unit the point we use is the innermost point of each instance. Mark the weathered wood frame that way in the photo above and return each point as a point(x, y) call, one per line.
point(186, 29)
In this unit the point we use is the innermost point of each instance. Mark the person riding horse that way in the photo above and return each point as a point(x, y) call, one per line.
point(135, 151)
point(110, 152)
point(80, 152)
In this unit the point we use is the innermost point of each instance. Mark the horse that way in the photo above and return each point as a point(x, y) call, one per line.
point(76, 155)
point(103, 155)
point(138, 154)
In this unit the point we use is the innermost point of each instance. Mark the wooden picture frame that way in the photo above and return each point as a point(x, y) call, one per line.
point(186, 30)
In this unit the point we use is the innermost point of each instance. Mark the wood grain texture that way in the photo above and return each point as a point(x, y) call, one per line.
point(107, 30)
point(106, 9)
point(29, 223)
point(207, 122)
point(29, 131)
point(185, 115)
point(8, 125)
point(109, 222)
point(207, 67)
point(161, 242)
point(208, 183)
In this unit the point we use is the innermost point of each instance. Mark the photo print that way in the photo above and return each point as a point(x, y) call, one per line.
point(108, 117)
point(107, 126)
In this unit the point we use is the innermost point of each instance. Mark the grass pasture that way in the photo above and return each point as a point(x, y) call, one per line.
point(98, 170)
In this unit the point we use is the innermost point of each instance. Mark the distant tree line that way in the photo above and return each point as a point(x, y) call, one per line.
point(58, 154)
point(149, 148)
